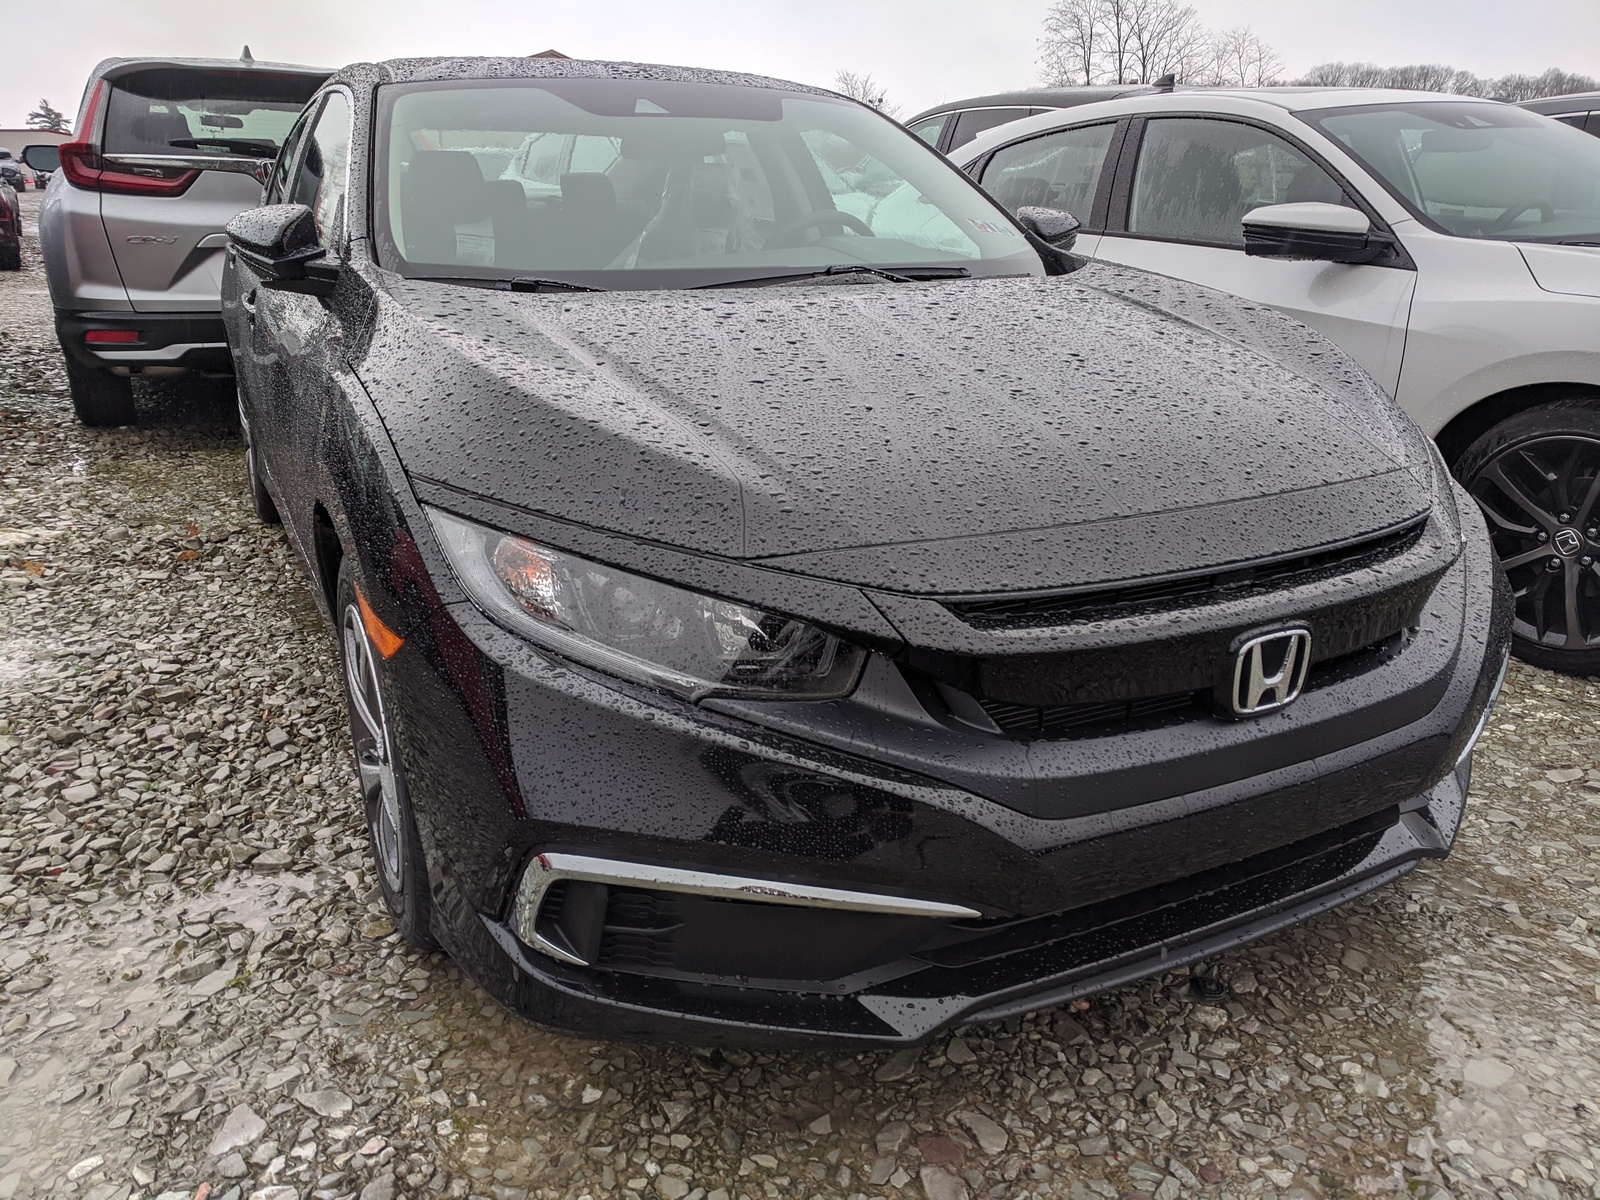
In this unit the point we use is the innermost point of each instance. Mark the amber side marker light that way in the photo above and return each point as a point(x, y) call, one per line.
point(385, 639)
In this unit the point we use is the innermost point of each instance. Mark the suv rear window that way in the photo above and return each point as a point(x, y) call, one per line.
point(204, 112)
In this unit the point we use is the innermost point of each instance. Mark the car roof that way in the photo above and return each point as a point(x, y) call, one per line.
point(1059, 97)
point(116, 68)
point(413, 70)
point(1573, 102)
point(1237, 101)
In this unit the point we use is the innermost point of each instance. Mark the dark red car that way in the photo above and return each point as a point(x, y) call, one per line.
point(10, 229)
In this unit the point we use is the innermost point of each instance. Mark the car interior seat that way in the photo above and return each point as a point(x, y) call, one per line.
point(440, 191)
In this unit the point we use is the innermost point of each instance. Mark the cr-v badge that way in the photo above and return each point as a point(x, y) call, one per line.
point(1268, 671)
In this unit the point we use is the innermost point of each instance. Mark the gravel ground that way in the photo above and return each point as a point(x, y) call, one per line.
point(201, 996)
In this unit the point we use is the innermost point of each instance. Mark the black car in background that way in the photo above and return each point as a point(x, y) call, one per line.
point(10, 229)
point(1581, 110)
point(11, 172)
point(783, 596)
point(953, 124)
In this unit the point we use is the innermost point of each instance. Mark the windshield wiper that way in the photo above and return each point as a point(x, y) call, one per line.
point(1578, 242)
point(900, 275)
point(516, 284)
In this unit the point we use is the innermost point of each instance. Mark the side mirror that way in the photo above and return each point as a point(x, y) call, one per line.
point(42, 157)
point(1315, 231)
point(1055, 227)
point(279, 243)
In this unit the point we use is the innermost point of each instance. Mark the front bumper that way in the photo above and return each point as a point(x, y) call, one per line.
point(164, 341)
point(1127, 855)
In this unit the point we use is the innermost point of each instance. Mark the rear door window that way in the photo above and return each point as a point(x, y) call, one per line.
point(974, 121)
point(1058, 170)
point(185, 111)
point(930, 129)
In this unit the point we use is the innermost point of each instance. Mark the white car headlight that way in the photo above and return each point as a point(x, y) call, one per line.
point(641, 629)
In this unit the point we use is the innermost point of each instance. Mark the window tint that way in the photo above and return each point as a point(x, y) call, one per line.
point(1475, 168)
point(1574, 119)
point(1196, 178)
point(974, 121)
point(1058, 170)
point(325, 167)
point(204, 112)
point(672, 183)
point(930, 129)
point(278, 184)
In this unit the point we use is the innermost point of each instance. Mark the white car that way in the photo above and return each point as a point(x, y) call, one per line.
point(1451, 246)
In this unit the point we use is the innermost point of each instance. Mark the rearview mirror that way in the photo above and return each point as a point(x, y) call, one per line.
point(42, 157)
point(1314, 230)
point(279, 243)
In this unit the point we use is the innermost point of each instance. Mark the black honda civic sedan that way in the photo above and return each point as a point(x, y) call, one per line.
point(781, 596)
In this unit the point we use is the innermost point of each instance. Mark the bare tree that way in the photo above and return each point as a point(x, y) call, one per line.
point(866, 89)
point(1241, 59)
point(1070, 48)
point(1139, 41)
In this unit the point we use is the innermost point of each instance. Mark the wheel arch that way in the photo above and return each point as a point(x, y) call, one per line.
point(329, 552)
point(1472, 423)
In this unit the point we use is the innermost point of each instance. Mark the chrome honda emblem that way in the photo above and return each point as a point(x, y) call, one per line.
point(1568, 542)
point(1269, 670)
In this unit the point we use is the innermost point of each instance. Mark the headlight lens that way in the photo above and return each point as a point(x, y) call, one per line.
point(642, 629)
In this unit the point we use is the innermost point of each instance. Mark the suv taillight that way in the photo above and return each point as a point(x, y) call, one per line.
point(82, 165)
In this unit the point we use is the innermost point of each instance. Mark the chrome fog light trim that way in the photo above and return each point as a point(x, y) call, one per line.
point(548, 869)
point(1483, 721)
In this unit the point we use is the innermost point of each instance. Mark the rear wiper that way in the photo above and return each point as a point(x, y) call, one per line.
point(517, 284)
point(902, 275)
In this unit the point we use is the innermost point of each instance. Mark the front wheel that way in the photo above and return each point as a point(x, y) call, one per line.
point(1536, 477)
point(396, 848)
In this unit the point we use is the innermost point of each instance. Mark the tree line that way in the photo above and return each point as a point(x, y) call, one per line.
point(1090, 42)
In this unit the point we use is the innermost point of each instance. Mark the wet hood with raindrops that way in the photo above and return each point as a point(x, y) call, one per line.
point(976, 435)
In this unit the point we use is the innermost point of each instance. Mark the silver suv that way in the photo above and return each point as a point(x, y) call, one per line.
point(131, 227)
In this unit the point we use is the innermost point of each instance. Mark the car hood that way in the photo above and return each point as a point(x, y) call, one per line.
point(954, 437)
point(1565, 270)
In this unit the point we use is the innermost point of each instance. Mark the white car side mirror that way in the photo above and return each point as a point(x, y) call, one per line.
point(1312, 230)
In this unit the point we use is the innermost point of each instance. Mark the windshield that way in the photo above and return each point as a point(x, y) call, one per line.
point(623, 183)
point(1477, 169)
point(189, 111)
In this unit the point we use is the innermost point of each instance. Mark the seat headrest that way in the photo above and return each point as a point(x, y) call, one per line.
point(590, 191)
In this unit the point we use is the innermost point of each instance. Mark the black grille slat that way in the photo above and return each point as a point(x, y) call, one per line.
point(1024, 721)
point(1059, 608)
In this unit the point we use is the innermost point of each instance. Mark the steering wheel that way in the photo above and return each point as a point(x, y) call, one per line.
point(782, 238)
point(1547, 212)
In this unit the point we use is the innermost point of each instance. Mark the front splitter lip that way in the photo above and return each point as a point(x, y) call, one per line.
point(1425, 831)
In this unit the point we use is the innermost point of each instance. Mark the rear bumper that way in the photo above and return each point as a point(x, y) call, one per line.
point(185, 341)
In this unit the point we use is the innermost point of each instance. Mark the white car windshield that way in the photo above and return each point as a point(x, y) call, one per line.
point(1477, 169)
point(647, 183)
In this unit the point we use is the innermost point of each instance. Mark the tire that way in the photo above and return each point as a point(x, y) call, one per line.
point(260, 499)
point(11, 257)
point(396, 849)
point(99, 397)
point(1536, 477)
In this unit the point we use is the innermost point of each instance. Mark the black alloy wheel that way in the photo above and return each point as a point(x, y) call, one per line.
point(1536, 477)
point(396, 849)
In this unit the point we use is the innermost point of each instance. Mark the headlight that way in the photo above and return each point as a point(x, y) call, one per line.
point(642, 629)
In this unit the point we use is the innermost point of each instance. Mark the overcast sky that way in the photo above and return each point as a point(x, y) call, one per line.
point(924, 51)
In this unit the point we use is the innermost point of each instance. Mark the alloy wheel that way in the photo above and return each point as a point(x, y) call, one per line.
point(1541, 499)
point(374, 745)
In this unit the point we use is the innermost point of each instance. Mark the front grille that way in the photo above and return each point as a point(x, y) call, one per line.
point(1061, 608)
point(1027, 722)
